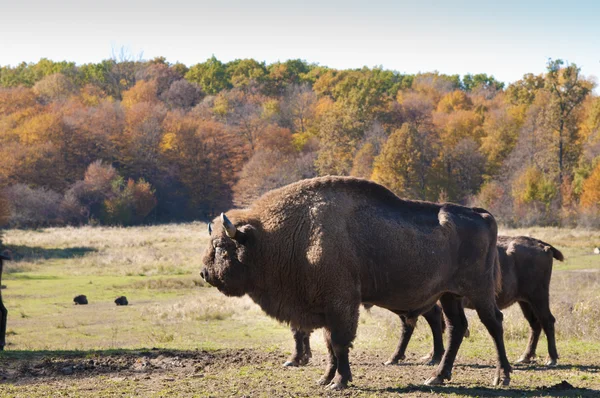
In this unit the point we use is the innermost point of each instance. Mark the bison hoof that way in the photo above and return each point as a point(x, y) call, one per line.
point(291, 364)
point(394, 361)
point(551, 362)
point(434, 381)
point(336, 385)
point(324, 381)
point(433, 362)
point(467, 333)
point(525, 359)
point(303, 361)
point(505, 381)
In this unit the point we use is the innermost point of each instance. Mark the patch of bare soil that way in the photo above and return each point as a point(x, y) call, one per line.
point(127, 363)
point(254, 373)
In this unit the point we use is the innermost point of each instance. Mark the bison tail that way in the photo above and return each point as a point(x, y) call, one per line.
point(557, 254)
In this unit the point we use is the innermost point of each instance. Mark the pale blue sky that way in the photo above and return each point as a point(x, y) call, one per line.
point(504, 38)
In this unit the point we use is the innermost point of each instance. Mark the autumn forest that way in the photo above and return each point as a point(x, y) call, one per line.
point(125, 142)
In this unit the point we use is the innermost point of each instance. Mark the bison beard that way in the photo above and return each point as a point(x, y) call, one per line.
point(311, 252)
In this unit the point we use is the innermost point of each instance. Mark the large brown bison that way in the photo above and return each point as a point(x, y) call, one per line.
point(526, 265)
point(311, 252)
point(3, 310)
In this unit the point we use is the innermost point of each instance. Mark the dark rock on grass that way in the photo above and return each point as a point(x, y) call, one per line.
point(81, 299)
point(122, 300)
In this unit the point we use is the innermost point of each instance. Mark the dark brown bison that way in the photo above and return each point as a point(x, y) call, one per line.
point(80, 300)
point(3, 310)
point(311, 252)
point(526, 265)
point(121, 300)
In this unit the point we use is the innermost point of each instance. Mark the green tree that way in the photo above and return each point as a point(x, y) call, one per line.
point(210, 75)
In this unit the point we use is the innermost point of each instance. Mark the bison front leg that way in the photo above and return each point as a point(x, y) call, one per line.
point(456, 326)
point(339, 334)
point(332, 363)
point(302, 352)
point(307, 351)
point(406, 330)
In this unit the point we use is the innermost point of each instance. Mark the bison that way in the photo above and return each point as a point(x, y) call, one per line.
point(121, 300)
point(80, 300)
point(526, 265)
point(3, 310)
point(311, 252)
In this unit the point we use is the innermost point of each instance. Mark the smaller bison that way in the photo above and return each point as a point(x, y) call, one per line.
point(81, 300)
point(3, 310)
point(526, 265)
point(121, 300)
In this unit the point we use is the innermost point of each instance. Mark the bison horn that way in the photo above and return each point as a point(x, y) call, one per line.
point(210, 228)
point(229, 227)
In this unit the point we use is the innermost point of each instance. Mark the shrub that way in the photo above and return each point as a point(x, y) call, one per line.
point(130, 203)
point(34, 207)
point(104, 196)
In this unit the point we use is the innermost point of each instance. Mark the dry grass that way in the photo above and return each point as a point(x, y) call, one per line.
point(173, 249)
point(170, 307)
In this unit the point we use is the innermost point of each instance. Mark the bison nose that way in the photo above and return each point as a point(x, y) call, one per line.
point(203, 274)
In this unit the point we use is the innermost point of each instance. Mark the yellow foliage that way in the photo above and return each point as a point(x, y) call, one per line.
point(532, 185)
point(270, 108)
point(590, 196)
point(143, 91)
point(221, 106)
point(458, 125)
point(324, 105)
point(455, 101)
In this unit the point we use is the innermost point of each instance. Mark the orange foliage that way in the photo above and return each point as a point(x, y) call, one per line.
point(143, 91)
point(455, 101)
point(590, 196)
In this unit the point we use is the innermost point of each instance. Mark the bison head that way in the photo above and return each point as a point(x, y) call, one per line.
point(224, 257)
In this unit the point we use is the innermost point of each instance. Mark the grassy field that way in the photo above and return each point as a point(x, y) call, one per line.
point(179, 337)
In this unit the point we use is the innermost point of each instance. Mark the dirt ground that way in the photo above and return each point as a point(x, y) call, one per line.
point(254, 373)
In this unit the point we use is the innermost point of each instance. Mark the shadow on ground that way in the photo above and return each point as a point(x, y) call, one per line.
point(30, 253)
point(559, 390)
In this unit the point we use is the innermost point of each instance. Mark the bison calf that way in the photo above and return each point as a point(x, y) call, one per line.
point(526, 265)
point(311, 252)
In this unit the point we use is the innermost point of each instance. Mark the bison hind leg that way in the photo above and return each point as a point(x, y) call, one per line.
point(456, 326)
point(491, 317)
